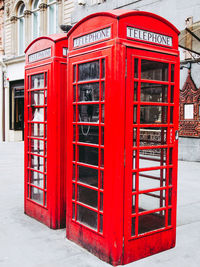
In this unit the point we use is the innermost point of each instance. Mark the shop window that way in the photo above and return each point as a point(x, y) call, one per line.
point(189, 111)
point(21, 40)
point(17, 108)
point(35, 18)
point(52, 17)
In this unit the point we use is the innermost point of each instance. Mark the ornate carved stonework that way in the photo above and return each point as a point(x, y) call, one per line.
point(13, 19)
point(27, 13)
point(42, 6)
point(190, 94)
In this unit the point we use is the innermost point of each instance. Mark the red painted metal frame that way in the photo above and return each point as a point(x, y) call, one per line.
point(115, 243)
point(51, 211)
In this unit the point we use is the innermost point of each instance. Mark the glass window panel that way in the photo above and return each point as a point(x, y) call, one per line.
point(37, 163)
point(170, 176)
point(172, 72)
point(133, 227)
point(101, 179)
point(188, 111)
point(87, 196)
point(152, 92)
point(134, 159)
point(88, 134)
point(37, 195)
point(134, 182)
point(88, 155)
point(103, 68)
point(74, 113)
point(101, 201)
point(153, 136)
point(134, 136)
point(73, 191)
point(88, 92)
point(88, 71)
point(153, 114)
point(37, 178)
point(172, 94)
point(102, 135)
point(74, 67)
point(73, 211)
point(152, 179)
point(87, 217)
point(136, 67)
point(133, 204)
point(151, 201)
point(170, 197)
point(45, 182)
point(152, 157)
point(102, 113)
point(45, 99)
point(74, 93)
point(74, 172)
point(37, 130)
point(102, 158)
point(169, 217)
point(37, 81)
point(38, 114)
point(171, 114)
point(88, 113)
point(37, 98)
point(134, 114)
point(135, 93)
point(37, 147)
point(88, 176)
point(102, 91)
point(101, 224)
point(152, 70)
point(151, 222)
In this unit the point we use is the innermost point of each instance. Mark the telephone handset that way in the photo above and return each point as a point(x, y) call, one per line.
point(87, 95)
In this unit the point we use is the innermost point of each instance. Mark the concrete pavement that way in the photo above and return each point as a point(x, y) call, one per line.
point(25, 242)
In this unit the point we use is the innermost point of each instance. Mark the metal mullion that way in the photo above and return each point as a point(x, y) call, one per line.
point(37, 89)
point(40, 188)
point(153, 147)
point(149, 176)
point(153, 168)
point(33, 154)
point(151, 211)
point(86, 144)
point(154, 104)
point(155, 196)
point(89, 123)
point(87, 103)
point(155, 81)
point(152, 159)
point(87, 206)
point(35, 170)
point(87, 186)
point(35, 138)
point(154, 125)
point(88, 81)
point(86, 165)
point(152, 190)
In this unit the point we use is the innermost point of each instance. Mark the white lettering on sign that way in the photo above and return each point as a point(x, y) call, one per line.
point(92, 37)
point(152, 37)
point(40, 55)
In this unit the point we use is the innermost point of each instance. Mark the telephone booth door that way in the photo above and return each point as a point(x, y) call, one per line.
point(151, 153)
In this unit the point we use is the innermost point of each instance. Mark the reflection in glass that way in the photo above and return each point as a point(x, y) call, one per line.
point(153, 114)
point(88, 92)
point(150, 222)
point(37, 195)
point(153, 136)
point(37, 81)
point(88, 113)
point(87, 217)
point(152, 70)
point(151, 92)
point(88, 71)
point(88, 176)
point(88, 155)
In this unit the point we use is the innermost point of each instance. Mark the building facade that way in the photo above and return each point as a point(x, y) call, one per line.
point(23, 22)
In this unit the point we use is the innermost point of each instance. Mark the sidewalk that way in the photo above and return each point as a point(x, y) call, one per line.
point(25, 242)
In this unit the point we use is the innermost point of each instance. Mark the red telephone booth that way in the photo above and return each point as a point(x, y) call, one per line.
point(123, 87)
point(45, 94)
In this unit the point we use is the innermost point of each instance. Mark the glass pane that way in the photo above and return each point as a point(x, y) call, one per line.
point(102, 135)
point(172, 72)
point(101, 179)
point(88, 176)
point(37, 195)
point(152, 179)
point(38, 114)
point(102, 91)
point(134, 114)
point(136, 67)
point(88, 71)
point(135, 98)
point(74, 67)
point(153, 114)
point(134, 159)
point(101, 223)
point(101, 201)
point(153, 136)
point(151, 201)
point(152, 157)
point(169, 217)
point(134, 182)
point(88, 113)
point(102, 158)
point(88, 134)
point(37, 163)
point(37, 178)
point(88, 92)
point(152, 70)
point(37, 98)
point(88, 155)
point(152, 92)
point(133, 227)
point(87, 196)
point(134, 136)
point(133, 204)
point(102, 113)
point(103, 68)
point(37, 129)
point(87, 217)
point(74, 93)
point(37, 147)
point(37, 81)
point(151, 222)
point(172, 94)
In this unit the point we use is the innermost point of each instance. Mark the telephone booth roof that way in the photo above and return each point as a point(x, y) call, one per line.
point(118, 21)
point(44, 42)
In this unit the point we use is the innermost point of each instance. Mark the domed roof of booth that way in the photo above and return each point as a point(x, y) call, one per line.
point(121, 13)
point(52, 37)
